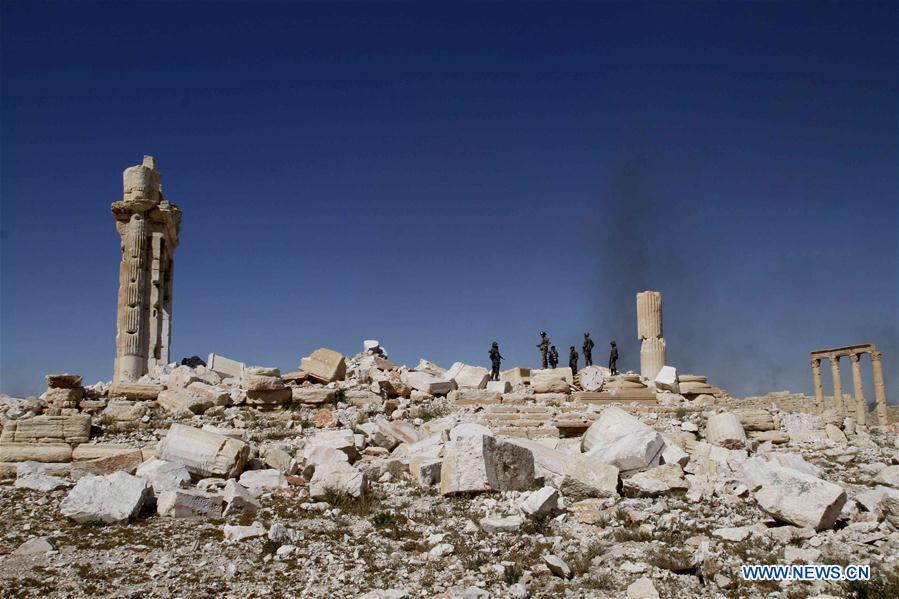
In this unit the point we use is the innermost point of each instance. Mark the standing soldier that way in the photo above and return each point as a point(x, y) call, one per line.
point(553, 357)
point(588, 350)
point(572, 361)
point(495, 359)
point(544, 347)
point(613, 359)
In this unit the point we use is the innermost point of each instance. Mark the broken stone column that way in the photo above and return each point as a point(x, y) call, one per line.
point(649, 314)
point(148, 226)
point(653, 355)
point(861, 408)
point(880, 394)
point(64, 394)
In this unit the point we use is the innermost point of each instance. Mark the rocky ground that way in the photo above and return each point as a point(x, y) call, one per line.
point(404, 497)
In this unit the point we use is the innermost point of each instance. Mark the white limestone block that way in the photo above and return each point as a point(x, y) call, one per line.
point(189, 503)
point(557, 566)
point(338, 477)
point(540, 504)
point(343, 440)
point(673, 454)
point(112, 499)
point(499, 386)
point(204, 454)
point(428, 383)
point(219, 396)
point(642, 588)
point(551, 380)
point(35, 452)
point(467, 376)
point(796, 462)
point(163, 475)
point(238, 499)
point(425, 471)
point(612, 424)
point(173, 400)
point(666, 379)
point(483, 463)
point(324, 365)
point(235, 534)
point(792, 496)
point(656, 481)
point(496, 524)
point(636, 451)
point(395, 432)
point(226, 367)
point(40, 482)
point(469, 429)
point(36, 546)
point(587, 477)
point(258, 482)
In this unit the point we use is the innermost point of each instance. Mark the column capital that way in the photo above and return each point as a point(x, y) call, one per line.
point(855, 357)
point(875, 356)
point(815, 362)
point(834, 359)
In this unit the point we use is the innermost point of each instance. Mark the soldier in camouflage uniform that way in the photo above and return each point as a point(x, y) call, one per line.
point(572, 360)
point(544, 347)
point(588, 350)
point(495, 359)
point(613, 359)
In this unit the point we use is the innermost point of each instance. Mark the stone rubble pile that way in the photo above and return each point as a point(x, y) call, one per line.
point(533, 487)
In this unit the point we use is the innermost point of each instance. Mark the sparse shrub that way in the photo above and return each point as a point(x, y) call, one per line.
point(357, 506)
point(431, 412)
point(470, 556)
point(883, 585)
point(622, 535)
point(598, 581)
point(384, 518)
point(582, 562)
point(512, 574)
point(676, 560)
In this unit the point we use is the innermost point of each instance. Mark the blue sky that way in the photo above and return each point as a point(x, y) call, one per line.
point(442, 176)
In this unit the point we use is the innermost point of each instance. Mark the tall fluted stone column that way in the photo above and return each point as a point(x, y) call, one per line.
point(837, 385)
point(649, 315)
point(880, 393)
point(148, 227)
point(653, 353)
point(819, 387)
point(861, 408)
point(652, 357)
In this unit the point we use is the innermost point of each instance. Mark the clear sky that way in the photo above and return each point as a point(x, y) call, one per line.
point(442, 176)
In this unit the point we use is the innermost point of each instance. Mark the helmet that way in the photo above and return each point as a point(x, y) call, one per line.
point(495, 344)
point(543, 333)
point(586, 334)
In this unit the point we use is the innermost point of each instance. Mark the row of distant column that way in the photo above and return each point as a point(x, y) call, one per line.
point(840, 403)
